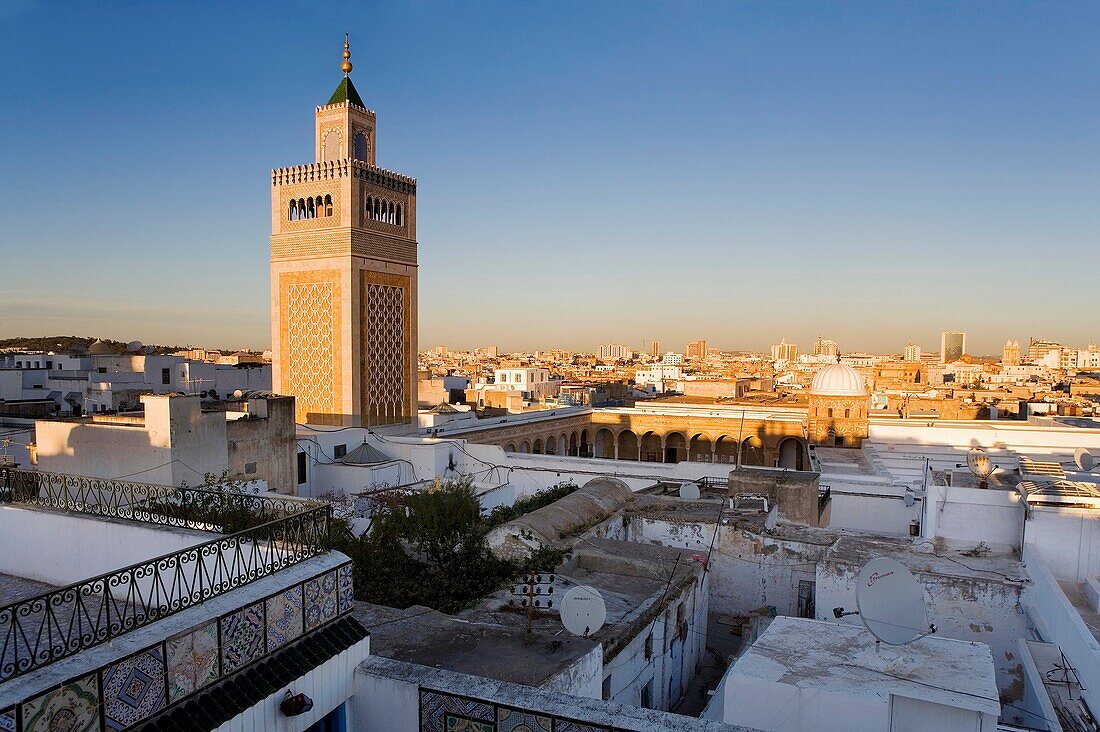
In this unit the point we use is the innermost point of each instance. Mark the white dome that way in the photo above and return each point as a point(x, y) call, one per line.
point(838, 380)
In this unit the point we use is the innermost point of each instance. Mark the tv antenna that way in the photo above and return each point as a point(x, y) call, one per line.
point(583, 611)
point(890, 603)
point(980, 465)
point(1084, 459)
point(533, 594)
point(689, 491)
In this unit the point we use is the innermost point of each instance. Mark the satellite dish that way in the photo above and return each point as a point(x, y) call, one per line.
point(134, 346)
point(890, 602)
point(910, 499)
point(583, 611)
point(237, 394)
point(689, 491)
point(1084, 459)
point(979, 463)
point(771, 519)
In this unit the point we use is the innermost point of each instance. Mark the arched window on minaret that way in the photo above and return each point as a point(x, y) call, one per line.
point(328, 205)
point(301, 208)
point(292, 212)
point(360, 146)
point(311, 210)
point(370, 208)
point(400, 221)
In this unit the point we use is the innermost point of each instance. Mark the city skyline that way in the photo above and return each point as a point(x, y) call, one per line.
point(805, 175)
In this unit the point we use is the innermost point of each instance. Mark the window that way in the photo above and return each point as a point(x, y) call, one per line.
point(807, 598)
point(250, 468)
point(360, 146)
point(847, 413)
point(830, 412)
point(607, 687)
point(102, 369)
point(339, 451)
point(166, 376)
point(301, 468)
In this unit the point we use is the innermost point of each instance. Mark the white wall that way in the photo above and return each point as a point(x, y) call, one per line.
point(1067, 540)
point(62, 548)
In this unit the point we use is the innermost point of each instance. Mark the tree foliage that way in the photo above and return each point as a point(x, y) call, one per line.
point(429, 548)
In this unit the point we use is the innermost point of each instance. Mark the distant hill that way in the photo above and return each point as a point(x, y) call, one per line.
point(63, 344)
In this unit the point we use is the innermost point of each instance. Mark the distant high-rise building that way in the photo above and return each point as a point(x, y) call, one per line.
point(697, 349)
point(826, 347)
point(655, 349)
point(784, 351)
point(1037, 348)
point(1010, 355)
point(673, 358)
point(615, 352)
point(489, 352)
point(952, 346)
point(912, 353)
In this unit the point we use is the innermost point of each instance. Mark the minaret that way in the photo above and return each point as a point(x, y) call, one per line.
point(344, 275)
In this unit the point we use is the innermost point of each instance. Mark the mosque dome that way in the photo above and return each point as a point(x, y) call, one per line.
point(838, 380)
point(99, 348)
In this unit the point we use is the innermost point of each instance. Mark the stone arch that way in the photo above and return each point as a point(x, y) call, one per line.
point(574, 444)
point(536, 446)
point(725, 449)
point(585, 446)
point(400, 216)
point(525, 446)
point(551, 445)
point(604, 446)
point(328, 205)
point(563, 444)
point(361, 147)
point(791, 453)
point(510, 447)
point(700, 448)
point(752, 451)
point(652, 447)
point(311, 209)
point(628, 445)
point(292, 212)
point(675, 447)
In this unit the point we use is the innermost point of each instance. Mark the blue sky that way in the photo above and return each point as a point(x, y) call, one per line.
point(588, 172)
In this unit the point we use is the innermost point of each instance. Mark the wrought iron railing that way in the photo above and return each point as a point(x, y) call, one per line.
point(193, 508)
point(41, 630)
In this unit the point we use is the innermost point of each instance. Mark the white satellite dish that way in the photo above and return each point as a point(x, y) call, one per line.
point(890, 602)
point(979, 463)
point(1084, 459)
point(771, 519)
point(910, 499)
point(689, 491)
point(583, 611)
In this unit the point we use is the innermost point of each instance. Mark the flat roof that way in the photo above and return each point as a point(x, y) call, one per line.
point(845, 659)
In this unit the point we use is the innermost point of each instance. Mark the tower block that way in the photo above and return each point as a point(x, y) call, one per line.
point(344, 275)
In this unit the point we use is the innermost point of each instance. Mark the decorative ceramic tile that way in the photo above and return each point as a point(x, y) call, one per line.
point(434, 705)
point(513, 720)
point(455, 723)
point(347, 591)
point(133, 688)
point(284, 617)
point(7, 720)
point(73, 707)
point(242, 637)
point(320, 600)
point(192, 661)
point(565, 725)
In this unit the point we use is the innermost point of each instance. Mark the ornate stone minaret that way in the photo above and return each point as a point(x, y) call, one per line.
point(343, 275)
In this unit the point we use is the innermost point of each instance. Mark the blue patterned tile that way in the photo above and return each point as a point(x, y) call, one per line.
point(285, 617)
point(242, 637)
point(514, 720)
point(192, 661)
point(435, 707)
point(133, 689)
point(74, 707)
point(7, 720)
point(347, 590)
point(320, 600)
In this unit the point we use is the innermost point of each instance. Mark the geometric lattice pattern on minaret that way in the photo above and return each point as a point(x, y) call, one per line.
point(311, 321)
point(386, 364)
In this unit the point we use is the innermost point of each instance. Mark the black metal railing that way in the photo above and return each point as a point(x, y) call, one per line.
point(222, 511)
point(41, 630)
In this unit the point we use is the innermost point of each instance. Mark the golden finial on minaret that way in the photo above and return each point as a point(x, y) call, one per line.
point(346, 66)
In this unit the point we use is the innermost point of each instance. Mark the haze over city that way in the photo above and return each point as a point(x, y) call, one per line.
point(592, 173)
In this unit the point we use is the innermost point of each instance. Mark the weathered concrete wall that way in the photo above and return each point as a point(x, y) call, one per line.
point(264, 448)
point(989, 611)
point(794, 491)
point(582, 678)
point(387, 697)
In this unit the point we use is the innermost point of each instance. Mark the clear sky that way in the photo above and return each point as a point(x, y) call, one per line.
point(588, 171)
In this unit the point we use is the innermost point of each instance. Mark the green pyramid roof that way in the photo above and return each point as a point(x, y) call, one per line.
point(346, 93)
